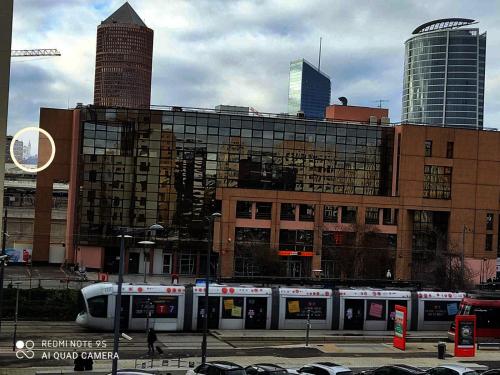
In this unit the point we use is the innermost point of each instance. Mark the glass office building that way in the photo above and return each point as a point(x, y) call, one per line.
point(140, 167)
point(309, 90)
point(444, 74)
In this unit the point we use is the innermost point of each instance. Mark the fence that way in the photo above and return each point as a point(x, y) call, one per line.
point(46, 283)
point(180, 363)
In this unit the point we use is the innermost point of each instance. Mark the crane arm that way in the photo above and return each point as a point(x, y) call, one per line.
point(34, 52)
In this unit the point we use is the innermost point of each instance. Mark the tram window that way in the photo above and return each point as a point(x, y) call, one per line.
point(440, 310)
point(232, 308)
point(98, 306)
point(161, 306)
point(375, 309)
point(297, 308)
point(488, 317)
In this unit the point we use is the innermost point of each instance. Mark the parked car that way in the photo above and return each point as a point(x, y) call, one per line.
point(132, 372)
point(265, 369)
point(322, 368)
point(451, 370)
point(217, 368)
point(493, 371)
point(395, 370)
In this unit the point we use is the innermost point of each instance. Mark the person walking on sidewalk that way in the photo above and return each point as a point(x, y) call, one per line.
point(151, 341)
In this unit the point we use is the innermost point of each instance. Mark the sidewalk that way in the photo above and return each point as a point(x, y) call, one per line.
point(237, 336)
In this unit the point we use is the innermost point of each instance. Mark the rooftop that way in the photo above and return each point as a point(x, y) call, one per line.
point(443, 24)
point(125, 15)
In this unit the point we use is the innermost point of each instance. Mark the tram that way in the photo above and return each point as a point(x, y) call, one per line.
point(182, 308)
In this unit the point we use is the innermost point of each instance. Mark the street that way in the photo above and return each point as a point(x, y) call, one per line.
point(242, 347)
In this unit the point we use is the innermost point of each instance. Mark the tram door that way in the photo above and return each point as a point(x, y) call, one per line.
point(213, 312)
point(256, 313)
point(125, 313)
point(392, 313)
point(354, 314)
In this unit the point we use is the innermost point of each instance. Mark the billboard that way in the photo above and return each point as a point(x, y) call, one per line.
point(465, 335)
point(399, 341)
point(20, 255)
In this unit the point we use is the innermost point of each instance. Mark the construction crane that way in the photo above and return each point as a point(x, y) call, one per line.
point(34, 52)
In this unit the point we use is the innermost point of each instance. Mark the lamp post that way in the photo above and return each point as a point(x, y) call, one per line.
point(14, 336)
point(144, 243)
point(118, 301)
point(3, 262)
point(210, 219)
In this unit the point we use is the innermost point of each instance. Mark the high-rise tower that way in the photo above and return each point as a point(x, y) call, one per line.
point(444, 74)
point(124, 57)
point(309, 90)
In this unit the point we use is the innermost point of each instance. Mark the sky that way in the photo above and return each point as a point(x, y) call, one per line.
point(210, 52)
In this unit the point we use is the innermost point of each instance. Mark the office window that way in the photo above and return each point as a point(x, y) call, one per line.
point(244, 209)
point(263, 210)
point(349, 214)
point(330, 214)
point(428, 148)
point(437, 182)
point(306, 212)
point(488, 246)
point(288, 211)
point(449, 150)
point(489, 221)
point(371, 215)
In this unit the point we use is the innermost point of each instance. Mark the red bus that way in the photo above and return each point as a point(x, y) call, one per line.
point(486, 307)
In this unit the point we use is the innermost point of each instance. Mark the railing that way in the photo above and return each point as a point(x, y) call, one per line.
point(46, 283)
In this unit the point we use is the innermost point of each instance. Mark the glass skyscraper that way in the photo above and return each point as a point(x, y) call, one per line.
point(309, 90)
point(444, 74)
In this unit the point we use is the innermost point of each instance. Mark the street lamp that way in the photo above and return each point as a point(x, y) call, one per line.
point(14, 337)
point(118, 301)
point(144, 243)
point(210, 219)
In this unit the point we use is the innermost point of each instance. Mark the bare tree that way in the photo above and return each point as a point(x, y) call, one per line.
point(363, 254)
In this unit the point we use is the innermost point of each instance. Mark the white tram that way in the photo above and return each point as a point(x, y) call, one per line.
point(233, 307)
point(296, 304)
point(371, 309)
point(164, 305)
point(437, 309)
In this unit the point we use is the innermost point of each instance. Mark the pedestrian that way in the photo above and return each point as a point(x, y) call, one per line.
point(79, 363)
point(88, 363)
point(388, 275)
point(151, 341)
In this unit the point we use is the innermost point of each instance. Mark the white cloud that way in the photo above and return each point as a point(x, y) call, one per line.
point(208, 52)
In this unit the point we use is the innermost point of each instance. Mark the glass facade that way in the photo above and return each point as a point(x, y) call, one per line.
point(140, 167)
point(444, 78)
point(309, 90)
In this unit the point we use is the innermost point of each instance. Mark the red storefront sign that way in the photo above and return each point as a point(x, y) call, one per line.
point(400, 319)
point(465, 336)
point(287, 253)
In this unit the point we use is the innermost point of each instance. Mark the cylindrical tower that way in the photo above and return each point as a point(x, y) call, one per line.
point(444, 74)
point(124, 57)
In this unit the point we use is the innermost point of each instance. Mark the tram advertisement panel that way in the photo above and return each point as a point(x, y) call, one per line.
point(399, 341)
point(465, 335)
point(159, 306)
point(297, 308)
point(440, 310)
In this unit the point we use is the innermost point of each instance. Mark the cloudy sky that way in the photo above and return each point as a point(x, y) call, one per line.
point(209, 52)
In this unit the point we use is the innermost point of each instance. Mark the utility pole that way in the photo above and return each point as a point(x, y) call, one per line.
point(462, 265)
point(3, 262)
point(118, 303)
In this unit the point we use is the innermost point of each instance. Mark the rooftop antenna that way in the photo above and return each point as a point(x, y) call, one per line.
point(319, 58)
point(381, 101)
